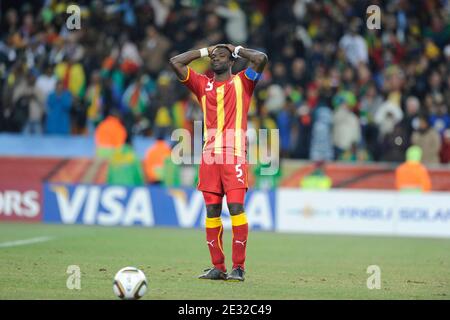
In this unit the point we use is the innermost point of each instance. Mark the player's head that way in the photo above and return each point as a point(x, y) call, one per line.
point(221, 59)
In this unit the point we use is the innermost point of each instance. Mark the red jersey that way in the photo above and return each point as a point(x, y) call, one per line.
point(225, 106)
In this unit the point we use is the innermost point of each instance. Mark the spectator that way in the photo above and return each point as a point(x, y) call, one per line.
point(411, 120)
point(46, 82)
point(14, 118)
point(159, 114)
point(154, 50)
point(279, 76)
point(236, 24)
point(369, 106)
point(129, 55)
point(412, 175)
point(346, 129)
point(321, 139)
point(445, 148)
point(275, 98)
point(110, 133)
point(154, 160)
point(94, 99)
point(115, 81)
point(428, 139)
point(136, 98)
point(440, 120)
point(264, 181)
point(162, 11)
point(212, 29)
point(163, 122)
point(302, 129)
point(284, 123)
point(370, 103)
point(394, 145)
point(353, 44)
point(72, 75)
point(298, 74)
point(28, 95)
point(386, 117)
point(124, 167)
point(59, 103)
point(317, 179)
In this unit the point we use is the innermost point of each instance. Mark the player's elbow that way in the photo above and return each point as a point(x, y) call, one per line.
point(264, 58)
point(261, 59)
point(172, 62)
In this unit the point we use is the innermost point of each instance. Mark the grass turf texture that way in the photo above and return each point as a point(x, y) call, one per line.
point(279, 266)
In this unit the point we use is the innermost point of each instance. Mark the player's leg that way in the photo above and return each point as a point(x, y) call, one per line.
point(214, 233)
point(214, 228)
point(211, 187)
point(235, 202)
point(235, 183)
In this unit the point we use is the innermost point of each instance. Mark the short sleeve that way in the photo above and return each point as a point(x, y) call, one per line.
point(195, 82)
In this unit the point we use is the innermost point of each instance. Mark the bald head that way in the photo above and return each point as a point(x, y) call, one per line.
point(412, 105)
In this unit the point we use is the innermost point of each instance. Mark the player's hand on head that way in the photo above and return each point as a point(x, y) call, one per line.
point(230, 47)
point(211, 49)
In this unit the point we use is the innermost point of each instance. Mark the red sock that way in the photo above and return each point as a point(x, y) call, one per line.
point(214, 232)
point(240, 236)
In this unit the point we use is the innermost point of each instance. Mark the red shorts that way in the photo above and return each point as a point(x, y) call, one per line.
point(233, 196)
point(221, 175)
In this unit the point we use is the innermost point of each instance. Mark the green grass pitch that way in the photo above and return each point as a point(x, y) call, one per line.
point(279, 266)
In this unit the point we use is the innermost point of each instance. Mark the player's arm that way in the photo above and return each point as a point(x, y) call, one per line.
point(179, 63)
point(258, 59)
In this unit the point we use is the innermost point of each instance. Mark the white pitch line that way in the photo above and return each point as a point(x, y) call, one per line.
point(24, 242)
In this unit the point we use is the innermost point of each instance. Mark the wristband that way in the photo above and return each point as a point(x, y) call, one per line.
point(204, 52)
point(235, 54)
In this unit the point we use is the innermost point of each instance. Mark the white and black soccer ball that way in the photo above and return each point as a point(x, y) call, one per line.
point(130, 283)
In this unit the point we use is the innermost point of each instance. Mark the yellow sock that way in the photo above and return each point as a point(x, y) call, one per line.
point(213, 222)
point(239, 220)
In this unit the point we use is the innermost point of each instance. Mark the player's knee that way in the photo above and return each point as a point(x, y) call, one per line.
point(235, 208)
point(213, 210)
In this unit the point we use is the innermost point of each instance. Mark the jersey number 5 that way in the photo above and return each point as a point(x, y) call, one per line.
point(239, 173)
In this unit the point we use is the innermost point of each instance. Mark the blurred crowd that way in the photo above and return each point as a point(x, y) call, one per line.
point(335, 88)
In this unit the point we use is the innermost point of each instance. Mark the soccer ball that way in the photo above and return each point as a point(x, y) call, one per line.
point(130, 283)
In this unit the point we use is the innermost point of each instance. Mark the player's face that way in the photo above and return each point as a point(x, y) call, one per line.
point(220, 60)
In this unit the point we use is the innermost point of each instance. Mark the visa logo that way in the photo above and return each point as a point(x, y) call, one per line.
point(106, 206)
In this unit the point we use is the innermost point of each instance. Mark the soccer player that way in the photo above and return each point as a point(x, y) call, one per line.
point(225, 101)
